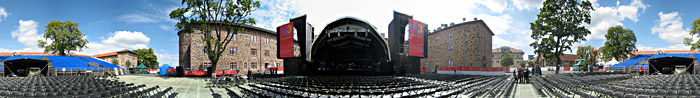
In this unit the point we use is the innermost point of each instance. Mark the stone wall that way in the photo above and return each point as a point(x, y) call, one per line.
point(470, 42)
point(238, 54)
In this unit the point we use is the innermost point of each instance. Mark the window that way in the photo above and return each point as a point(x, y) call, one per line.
point(449, 62)
point(437, 50)
point(437, 39)
point(232, 50)
point(233, 65)
point(449, 48)
point(253, 38)
point(253, 52)
point(267, 52)
point(245, 65)
point(204, 50)
point(450, 36)
point(277, 65)
point(426, 64)
point(517, 61)
point(234, 36)
point(254, 65)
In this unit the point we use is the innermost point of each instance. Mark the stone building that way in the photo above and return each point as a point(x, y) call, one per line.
point(251, 49)
point(466, 44)
point(515, 53)
point(122, 57)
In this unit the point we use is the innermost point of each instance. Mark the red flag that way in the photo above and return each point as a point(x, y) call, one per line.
point(415, 38)
point(286, 40)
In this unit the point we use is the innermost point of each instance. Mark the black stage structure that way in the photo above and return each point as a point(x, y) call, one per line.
point(350, 46)
point(668, 65)
point(22, 67)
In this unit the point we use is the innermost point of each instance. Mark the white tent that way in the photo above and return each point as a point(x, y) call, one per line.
point(611, 62)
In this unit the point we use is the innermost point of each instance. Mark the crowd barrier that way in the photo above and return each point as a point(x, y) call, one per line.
point(473, 70)
point(203, 73)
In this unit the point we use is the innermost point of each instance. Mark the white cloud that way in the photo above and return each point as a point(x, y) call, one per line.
point(641, 47)
point(166, 27)
point(26, 33)
point(679, 46)
point(165, 58)
point(3, 13)
point(136, 18)
point(605, 17)
point(275, 13)
point(378, 12)
point(116, 41)
point(134, 40)
point(670, 28)
point(527, 4)
point(496, 6)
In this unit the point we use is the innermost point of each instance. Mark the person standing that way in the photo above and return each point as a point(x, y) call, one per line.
point(641, 71)
point(527, 75)
point(515, 75)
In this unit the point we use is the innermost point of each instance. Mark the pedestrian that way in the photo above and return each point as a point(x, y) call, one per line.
point(515, 75)
point(641, 71)
point(78, 72)
point(520, 75)
point(527, 75)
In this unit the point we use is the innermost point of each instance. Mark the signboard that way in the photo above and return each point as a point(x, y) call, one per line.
point(286, 40)
point(415, 38)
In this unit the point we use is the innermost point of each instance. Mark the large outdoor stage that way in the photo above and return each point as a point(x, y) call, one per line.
point(351, 46)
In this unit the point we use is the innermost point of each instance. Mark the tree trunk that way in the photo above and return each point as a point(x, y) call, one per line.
point(557, 63)
point(212, 69)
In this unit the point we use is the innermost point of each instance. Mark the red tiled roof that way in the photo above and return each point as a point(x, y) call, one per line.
point(33, 53)
point(568, 57)
point(112, 53)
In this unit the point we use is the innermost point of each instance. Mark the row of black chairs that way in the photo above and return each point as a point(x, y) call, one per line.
point(77, 87)
point(573, 84)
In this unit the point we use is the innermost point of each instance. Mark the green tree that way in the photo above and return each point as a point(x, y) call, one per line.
point(522, 64)
point(506, 60)
point(65, 36)
point(147, 57)
point(584, 53)
point(115, 62)
point(219, 20)
point(620, 42)
point(558, 27)
point(694, 31)
point(128, 63)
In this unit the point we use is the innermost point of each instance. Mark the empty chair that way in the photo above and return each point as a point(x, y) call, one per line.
point(684, 93)
point(643, 96)
point(650, 91)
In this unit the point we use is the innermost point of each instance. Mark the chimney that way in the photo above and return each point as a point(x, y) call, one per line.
point(475, 19)
point(464, 19)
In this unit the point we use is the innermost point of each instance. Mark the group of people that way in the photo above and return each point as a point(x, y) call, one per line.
point(522, 75)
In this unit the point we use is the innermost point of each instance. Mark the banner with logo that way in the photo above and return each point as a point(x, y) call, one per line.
point(415, 38)
point(286, 40)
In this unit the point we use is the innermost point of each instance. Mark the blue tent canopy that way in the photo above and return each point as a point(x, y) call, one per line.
point(164, 69)
point(100, 62)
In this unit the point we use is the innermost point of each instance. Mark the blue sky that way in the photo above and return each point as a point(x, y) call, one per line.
point(112, 25)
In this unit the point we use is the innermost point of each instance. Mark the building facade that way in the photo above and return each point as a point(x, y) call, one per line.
point(567, 60)
point(515, 53)
point(466, 44)
point(252, 49)
point(122, 57)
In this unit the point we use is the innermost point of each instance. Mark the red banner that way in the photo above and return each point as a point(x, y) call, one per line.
point(170, 71)
point(415, 38)
point(286, 34)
